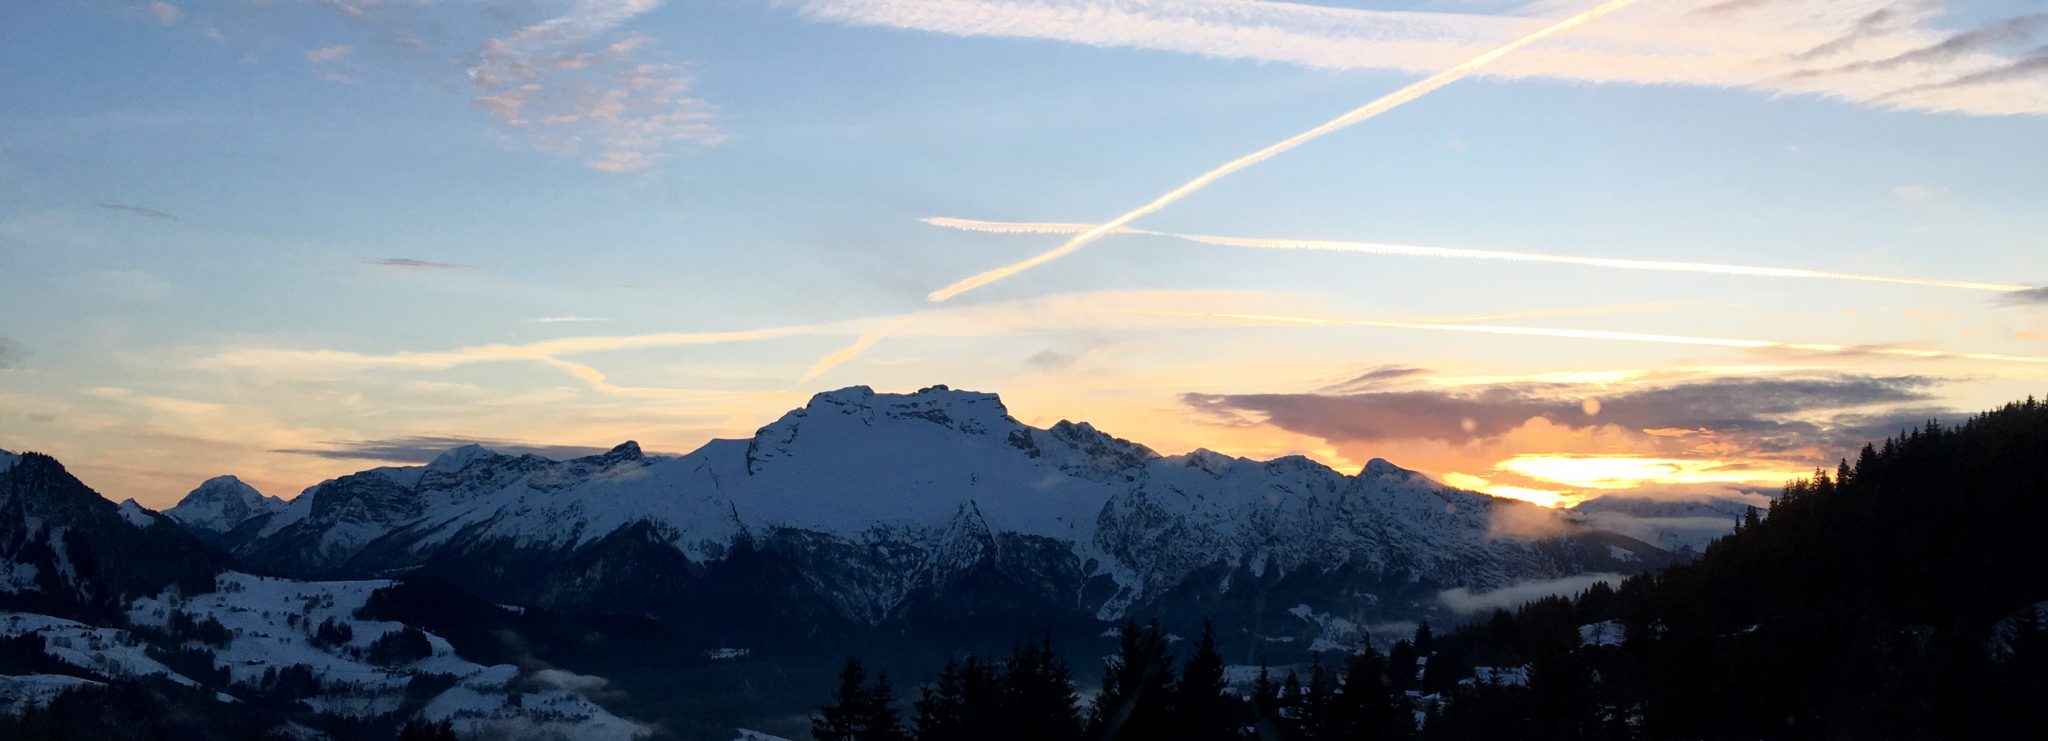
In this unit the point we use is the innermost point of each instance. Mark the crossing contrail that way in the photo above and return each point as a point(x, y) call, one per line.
point(1596, 334)
point(1409, 250)
point(1387, 103)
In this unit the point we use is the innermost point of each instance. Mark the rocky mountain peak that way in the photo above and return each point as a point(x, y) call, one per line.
point(459, 457)
point(220, 503)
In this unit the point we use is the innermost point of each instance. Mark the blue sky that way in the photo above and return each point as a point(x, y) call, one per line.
point(224, 225)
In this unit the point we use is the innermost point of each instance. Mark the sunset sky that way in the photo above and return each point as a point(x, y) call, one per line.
point(291, 239)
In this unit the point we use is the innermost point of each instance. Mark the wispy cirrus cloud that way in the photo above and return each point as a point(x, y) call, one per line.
point(569, 78)
point(1406, 94)
point(1909, 193)
point(416, 264)
point(576, 84)
point(1759, 46)
point(1980, 40)
point(142, 211)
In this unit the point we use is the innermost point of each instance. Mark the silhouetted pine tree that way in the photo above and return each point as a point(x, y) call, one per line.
point(1136, 688)
point(1203, 711)
point(846, 717)
point(942, 707)
point(1037, 695)
point(1317, 721)
point(881, 721)
point(1369, 707)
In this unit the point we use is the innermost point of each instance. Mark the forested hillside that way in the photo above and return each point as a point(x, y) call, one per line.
point(1900, 595)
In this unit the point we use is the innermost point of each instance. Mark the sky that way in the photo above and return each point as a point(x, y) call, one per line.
point(1685, 248)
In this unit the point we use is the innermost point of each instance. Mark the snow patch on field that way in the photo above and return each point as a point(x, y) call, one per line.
point(36, 690)
point(1606, 633)
point(104, 651)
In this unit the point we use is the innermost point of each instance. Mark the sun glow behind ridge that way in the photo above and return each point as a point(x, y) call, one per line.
point(1625, 471)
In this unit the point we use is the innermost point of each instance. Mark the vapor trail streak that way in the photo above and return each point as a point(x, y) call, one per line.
point(1387, 103)
point(1409, 250)
point(1597, 334)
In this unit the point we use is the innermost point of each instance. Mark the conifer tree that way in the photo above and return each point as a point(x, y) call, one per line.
point(1136, 687)
point(1201, 708)
point(1037, 695)
point(844, 718)
point(1316, 720)
point(879, 719)
point(941, 707)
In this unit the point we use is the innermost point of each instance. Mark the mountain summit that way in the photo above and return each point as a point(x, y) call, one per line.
point(932, 508)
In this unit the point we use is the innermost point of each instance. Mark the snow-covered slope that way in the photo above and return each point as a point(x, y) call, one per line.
point(221, 504)
point(885, 505)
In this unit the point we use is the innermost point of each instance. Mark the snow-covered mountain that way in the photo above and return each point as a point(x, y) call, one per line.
point(935, 508)
point(95, 596)
point(218, 505)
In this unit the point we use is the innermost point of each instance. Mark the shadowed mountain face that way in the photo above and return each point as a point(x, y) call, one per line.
point(933, 510)
point(66, 550)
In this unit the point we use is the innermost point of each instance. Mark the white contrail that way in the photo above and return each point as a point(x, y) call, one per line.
point(1409, 250)
point(1596, 334)
point(1387, 103)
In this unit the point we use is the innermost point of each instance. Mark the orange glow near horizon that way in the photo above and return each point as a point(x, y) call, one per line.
point(1543, 497)
point(1581, 471)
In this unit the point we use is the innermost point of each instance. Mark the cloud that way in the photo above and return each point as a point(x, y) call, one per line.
point(1454, 325)
point(1087, 311)
point(1732, 7)
point(2002, 32)
point(11, 354)
point(1408, 93)
point(1770, 415)
point(566, 319)
point(165, 12)
point(330, 53)
point(1375, 377)
point(2029, 296)
point(1871, 24)
point(1463, 600)
point(423, 448)
point(139, 211)
point(2034, 65)
point(575, 85)
point(1407, 250)
point(565, 77)
point(407, 262)
point(1665, 43)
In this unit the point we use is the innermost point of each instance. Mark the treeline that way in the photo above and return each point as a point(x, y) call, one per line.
point(1147, 692)
point(1901, 595)
point(1897, 596)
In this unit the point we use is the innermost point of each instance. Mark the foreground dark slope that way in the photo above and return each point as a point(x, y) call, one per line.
point(71, 553)
point(1893, 598)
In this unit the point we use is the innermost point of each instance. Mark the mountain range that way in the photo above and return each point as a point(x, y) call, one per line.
point(935, 508)
point(913, 523)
